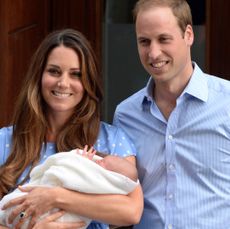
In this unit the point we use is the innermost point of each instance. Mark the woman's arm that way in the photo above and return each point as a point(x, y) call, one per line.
point(50, 222)
point(3, 227)
point(111, 209)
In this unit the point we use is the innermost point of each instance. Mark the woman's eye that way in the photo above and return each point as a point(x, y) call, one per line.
point(76, 74)
point(53, 71)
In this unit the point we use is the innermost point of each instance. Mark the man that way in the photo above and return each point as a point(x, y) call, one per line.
point(180, 124)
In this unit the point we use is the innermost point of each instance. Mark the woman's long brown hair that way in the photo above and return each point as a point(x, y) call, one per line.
point(29, 121)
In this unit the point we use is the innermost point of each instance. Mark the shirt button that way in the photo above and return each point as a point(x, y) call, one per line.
point(170, 226)
point(170, 137)
point(170, 196)
point(171, 167)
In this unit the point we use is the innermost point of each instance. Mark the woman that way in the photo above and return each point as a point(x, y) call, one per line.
point(58, 109)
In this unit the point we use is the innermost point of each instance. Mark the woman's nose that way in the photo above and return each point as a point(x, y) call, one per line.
point(63, 81)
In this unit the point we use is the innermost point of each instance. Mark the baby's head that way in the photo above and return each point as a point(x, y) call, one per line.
point(119, 165)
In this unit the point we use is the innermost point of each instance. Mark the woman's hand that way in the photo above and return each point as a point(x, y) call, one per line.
point(49, 222)
point(37, 202)
point(3, 227)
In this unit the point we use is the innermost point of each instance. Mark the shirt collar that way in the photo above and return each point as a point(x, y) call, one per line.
point(197, 86)
point(147, 94)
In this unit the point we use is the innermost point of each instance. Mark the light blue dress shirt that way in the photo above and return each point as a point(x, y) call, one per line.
point(183, 162)
point(111, 140)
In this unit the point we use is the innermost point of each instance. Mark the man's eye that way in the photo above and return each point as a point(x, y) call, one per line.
point(164, 39)
point(143, 42)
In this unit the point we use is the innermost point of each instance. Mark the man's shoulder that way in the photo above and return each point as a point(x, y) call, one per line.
point(218, 84)
point(134, 99)
point(215, 84)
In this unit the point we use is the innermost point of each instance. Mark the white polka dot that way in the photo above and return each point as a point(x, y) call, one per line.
point(98, 145)
point(128, 151)
point(7, 145)
point(45, 156)
point(1, 133)
point(120, 144)
point(113, 145)
point(124, 155)
point(98, 140)
point(115, 154)
point(51, 147)
point(123, 137)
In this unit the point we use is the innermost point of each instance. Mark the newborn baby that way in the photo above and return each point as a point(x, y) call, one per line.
point(73, 170)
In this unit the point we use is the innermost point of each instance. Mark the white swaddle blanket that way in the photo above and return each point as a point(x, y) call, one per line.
point(75, 172)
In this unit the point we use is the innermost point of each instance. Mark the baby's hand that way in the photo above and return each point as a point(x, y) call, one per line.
point(88, 153)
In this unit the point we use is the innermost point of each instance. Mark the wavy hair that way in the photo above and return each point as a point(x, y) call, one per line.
point(29, 120)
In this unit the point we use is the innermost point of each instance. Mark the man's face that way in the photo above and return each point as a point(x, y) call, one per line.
point(163, 48)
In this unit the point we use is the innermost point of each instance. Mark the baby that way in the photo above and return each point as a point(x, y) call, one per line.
point(93, 174)
point(110, 162)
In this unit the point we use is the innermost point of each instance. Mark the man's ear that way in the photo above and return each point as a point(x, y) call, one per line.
point(189, 35)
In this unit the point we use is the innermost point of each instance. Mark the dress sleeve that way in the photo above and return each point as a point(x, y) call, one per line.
point(113, 140)
point(5, 142)
point(122, 144)
point(97, 225)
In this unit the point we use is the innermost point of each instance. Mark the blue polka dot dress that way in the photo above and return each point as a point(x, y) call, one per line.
point(111, 140)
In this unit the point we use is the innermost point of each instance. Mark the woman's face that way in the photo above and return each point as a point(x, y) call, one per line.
point(62, 87)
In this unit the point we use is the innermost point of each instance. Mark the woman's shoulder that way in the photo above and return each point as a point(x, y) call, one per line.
point(113, 140)
point(6, 133)
point(5, 142)
point(107, 126)
point(110, 130)
point(6, 130)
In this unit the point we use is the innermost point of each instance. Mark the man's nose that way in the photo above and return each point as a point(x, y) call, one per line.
point(154, 50)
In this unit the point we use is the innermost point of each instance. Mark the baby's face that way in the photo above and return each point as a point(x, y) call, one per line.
point(110, 162)
point(101, 163)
